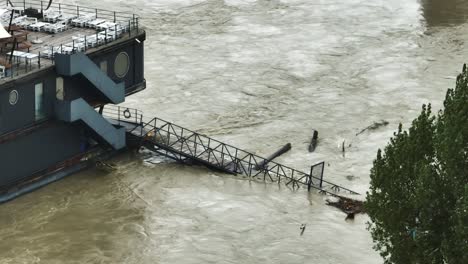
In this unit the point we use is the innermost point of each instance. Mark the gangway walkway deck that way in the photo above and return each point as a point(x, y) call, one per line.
point(185, 145)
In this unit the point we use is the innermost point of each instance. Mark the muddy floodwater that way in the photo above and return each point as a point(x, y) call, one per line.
point(256, 74)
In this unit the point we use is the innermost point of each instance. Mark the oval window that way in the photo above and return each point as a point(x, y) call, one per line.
point(122, 64)
point(13, 98)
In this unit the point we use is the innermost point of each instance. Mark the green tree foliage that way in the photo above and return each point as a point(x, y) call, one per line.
point(418, 199)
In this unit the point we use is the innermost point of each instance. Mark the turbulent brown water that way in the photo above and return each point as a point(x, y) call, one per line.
point(257, 74)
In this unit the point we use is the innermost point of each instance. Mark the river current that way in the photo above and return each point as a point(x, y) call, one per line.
point(256, 74)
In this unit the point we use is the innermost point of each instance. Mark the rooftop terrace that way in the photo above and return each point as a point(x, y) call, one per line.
point(39, 34)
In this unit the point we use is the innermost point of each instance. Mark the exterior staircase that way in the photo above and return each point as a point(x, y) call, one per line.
point(80, 110)
point(79, 63)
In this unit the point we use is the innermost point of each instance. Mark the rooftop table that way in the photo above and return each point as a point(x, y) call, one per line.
point(28, 57)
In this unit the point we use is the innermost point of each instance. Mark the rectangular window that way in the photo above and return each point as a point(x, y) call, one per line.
point(59, 92)
point(39, 101)
point(2, 72)
point(103, 66)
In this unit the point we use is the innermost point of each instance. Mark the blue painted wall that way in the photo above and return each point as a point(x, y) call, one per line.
point(22, 114)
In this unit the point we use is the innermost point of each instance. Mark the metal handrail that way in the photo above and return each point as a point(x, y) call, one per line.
point(123, 114)
point(72, 9)
point(252, 160)
point(216, 154)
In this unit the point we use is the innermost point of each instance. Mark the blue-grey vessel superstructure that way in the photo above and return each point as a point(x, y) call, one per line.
point(58, 67)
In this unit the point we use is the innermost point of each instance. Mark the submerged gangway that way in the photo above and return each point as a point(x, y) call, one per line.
point(185, 145)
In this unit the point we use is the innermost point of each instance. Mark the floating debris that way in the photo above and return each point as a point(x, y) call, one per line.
point(343, 148)
point(273, 156)
point(347, 205)
point(157, 159)
point(105, 166)
point(303, 227)
point(374, 126)
point(350, 216)
point(314, 141)
point(350, 177)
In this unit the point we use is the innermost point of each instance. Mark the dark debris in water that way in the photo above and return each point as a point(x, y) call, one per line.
point(350, 206)
point(374, 126)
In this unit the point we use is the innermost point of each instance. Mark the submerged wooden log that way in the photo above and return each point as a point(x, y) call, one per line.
point(374, 126)
point(314, 141)
point(273, 156)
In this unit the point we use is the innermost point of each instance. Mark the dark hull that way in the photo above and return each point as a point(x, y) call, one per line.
point(69, 136)
point(56, 172)
point(32, 185)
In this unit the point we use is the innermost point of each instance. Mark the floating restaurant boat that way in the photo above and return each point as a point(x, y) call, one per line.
point(59, 66)
point(64, 70)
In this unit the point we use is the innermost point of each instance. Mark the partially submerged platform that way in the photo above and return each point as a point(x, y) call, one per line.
point(184, 145)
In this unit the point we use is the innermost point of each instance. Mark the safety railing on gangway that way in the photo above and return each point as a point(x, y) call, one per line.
point(183, 144)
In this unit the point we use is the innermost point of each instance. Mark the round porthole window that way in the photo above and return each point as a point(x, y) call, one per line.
point(122, 64)
point(13, 98)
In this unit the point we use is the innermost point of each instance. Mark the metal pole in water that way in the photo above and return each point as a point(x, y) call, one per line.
point(321, 175)
point(309, 179)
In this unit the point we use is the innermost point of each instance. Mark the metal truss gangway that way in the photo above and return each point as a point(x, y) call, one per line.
point(185, 145)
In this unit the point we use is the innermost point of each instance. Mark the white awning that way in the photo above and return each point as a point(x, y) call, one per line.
point(3, 32)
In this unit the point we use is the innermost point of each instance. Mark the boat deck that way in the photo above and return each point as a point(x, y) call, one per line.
point(63, 29)
point(40, 42)
point(55, 40)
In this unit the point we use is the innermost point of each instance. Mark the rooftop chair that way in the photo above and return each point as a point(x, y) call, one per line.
point(82, 20)
point(52, 16)
point(27, 21)
point(59, 27)
point(18, 20)
point(39, 26)
point(67, 18)
point(94, 23)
